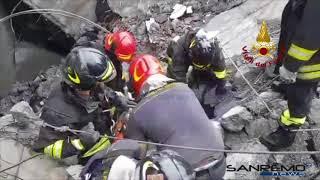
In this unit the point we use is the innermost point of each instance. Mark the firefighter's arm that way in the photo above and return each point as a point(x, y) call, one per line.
point(178, 62)
point(54, 143)
point(218, 62)
point(57, 145)
point(306, 41)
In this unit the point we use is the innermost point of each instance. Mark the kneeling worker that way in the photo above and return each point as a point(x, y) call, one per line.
point(76, 103)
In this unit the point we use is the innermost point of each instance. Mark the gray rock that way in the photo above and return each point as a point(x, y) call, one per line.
point(23, 125)
point(179, 10)
point(260, 127)
point(177, 25)
point(236, 119)
point(161, 18)
point(271, 98)
point(24, 109)
point(233, 140)
point(237, 160)
point(74, 171)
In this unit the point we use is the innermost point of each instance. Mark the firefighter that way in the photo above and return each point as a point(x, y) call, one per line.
point(169, 112)
point(126, 160)
point(300, 67)
point(199, 49)
point(78, 103)
point(119, 46)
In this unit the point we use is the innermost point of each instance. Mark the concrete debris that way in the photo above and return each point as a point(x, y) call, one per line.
point(189, 10)
point(74, 171)
point(161, 18)
point(236, 119)
point(22, 124)
point(23, 108)
point(232, 139)
point(178, 11)
point(256, 106)
point(40, 167)
point(238, 160)
point(260, 127)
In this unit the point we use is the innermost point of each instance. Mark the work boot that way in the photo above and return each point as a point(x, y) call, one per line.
point(281, 138)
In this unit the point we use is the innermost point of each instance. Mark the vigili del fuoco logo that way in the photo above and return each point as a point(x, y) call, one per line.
point(262, 53)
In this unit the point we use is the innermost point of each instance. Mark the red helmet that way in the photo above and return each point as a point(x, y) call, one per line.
point(141, 68)
point(122, 44)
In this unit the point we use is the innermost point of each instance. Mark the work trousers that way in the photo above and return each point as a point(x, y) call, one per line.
point(300, 95)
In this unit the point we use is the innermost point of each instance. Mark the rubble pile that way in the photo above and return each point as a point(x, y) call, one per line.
point(166, 20)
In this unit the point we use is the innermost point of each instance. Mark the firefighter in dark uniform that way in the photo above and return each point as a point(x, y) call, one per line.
point(78, 103)
point(300, 67)
point(203, 53)
point(168, 112)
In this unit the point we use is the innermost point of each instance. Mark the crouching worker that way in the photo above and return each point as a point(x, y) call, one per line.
point(77, 103)
point(168, 112)
point(200, 50)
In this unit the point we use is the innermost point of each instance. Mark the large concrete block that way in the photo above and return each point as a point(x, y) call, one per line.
point(85, 8)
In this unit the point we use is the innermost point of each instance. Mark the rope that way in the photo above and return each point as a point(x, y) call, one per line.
point(53, 11)
point(247, 81)
point(305, 130)
point(61, 129)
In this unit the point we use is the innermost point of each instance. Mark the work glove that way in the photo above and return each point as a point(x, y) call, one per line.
point(123, 103)
point(90, 136)
point(286, 75)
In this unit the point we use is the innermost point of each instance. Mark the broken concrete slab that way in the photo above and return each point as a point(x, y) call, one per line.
point(236, 119)
point(40, 167)
point(85, 8)
point(240, 26)
point(178, 11)
point(272, 99)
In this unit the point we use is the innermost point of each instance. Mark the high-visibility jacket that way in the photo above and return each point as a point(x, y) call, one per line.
point(180, 60)
point(63, 108)
point(303, 55)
